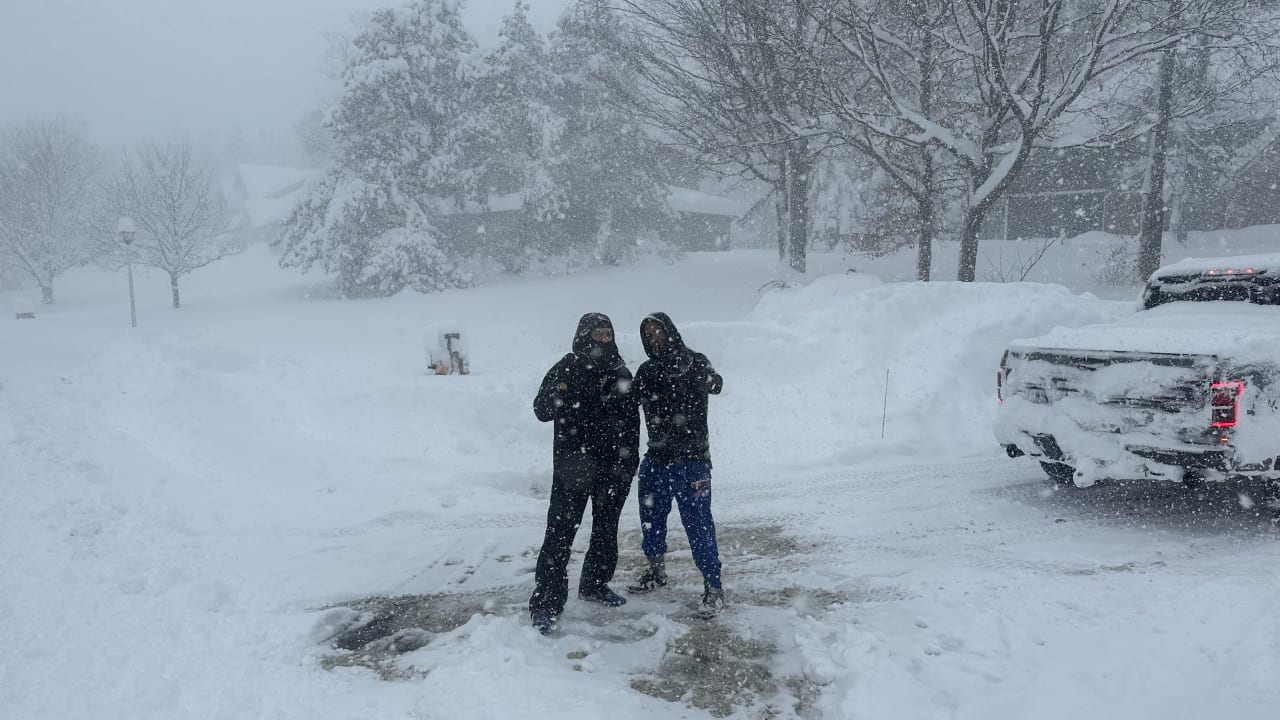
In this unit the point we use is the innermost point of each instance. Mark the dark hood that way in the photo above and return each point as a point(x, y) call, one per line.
point(675, 343)
point(604, 355)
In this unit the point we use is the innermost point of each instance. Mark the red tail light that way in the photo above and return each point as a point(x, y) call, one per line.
point(1224, 402)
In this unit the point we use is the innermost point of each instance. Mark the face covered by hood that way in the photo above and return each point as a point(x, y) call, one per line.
point(596, 353)
point(673, 347)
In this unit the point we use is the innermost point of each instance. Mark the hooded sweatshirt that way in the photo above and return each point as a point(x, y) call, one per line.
point(587, 395)
point(672, 386)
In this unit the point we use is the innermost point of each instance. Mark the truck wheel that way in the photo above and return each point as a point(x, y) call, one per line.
point(1060, 473)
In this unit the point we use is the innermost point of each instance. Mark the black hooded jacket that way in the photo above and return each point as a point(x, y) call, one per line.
point(672, 386)
point(587, 394)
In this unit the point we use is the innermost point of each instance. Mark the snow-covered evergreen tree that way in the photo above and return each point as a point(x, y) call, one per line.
point(372, 218)
point(511, 98)
point(509, 132)
point(608, 171)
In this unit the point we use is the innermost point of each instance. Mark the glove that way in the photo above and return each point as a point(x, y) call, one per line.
point(715, 383)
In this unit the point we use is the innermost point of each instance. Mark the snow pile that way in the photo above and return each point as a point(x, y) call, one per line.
point(805, 372)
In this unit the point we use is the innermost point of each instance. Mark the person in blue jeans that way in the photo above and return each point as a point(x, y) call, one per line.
point(672, 388)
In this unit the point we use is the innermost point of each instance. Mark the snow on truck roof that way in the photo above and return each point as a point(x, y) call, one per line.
point(1229, 265)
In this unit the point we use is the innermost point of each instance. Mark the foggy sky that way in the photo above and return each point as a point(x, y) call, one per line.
point(138, 69)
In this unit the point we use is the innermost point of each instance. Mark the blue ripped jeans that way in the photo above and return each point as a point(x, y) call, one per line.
point(689, 483)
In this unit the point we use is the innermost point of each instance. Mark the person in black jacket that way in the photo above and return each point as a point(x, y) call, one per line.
point(595, 453)
point(673, 386)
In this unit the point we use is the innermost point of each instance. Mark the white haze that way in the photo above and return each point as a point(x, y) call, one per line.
point(140, 69)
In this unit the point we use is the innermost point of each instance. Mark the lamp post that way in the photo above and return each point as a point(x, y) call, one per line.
point(127, 230)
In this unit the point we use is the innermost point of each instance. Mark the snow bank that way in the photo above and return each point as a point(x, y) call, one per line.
point(805, 372)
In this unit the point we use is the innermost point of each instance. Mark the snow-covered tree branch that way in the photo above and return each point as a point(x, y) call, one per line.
point(720, 79)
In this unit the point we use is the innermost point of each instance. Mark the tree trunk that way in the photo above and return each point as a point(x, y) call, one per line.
point(927, 218)
point(784, 226)
point(173, 285)
point(1177, 211)
point(1151, 231)
point(798, 204)
point(973, 218)
point(924, 254)
point(1182, 147)
point(976, 214)
point(46, 294)
point(925, 201)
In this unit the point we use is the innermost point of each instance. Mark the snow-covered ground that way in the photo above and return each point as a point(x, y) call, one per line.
point(191, 509)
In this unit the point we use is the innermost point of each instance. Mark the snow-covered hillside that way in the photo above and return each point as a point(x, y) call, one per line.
point(188, 510)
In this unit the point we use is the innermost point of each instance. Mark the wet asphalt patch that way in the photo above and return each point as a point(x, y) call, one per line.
point(722, 665)
point(722, 669)
point(373, 632)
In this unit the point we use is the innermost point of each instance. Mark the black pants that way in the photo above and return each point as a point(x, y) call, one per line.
point(574, 482)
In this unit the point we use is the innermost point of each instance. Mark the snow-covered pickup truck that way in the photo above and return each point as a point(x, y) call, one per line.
point(1184, 389)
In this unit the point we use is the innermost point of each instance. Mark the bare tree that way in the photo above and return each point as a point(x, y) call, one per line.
point(864, 119)
point(720, 78)
point(48, 199)
point(180, 214)
point(1025, 63)
point(1151, 225)
point(1200, 89)
point(1201, 108)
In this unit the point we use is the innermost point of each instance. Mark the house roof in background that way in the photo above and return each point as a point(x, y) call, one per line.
point(271, 181)
point(688, 200)
point(271, 192)
point(264, 211)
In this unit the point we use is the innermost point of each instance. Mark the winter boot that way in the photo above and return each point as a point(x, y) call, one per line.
point(602, 595)
point(712, 601)
point(544, 621)
point(653, 578)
